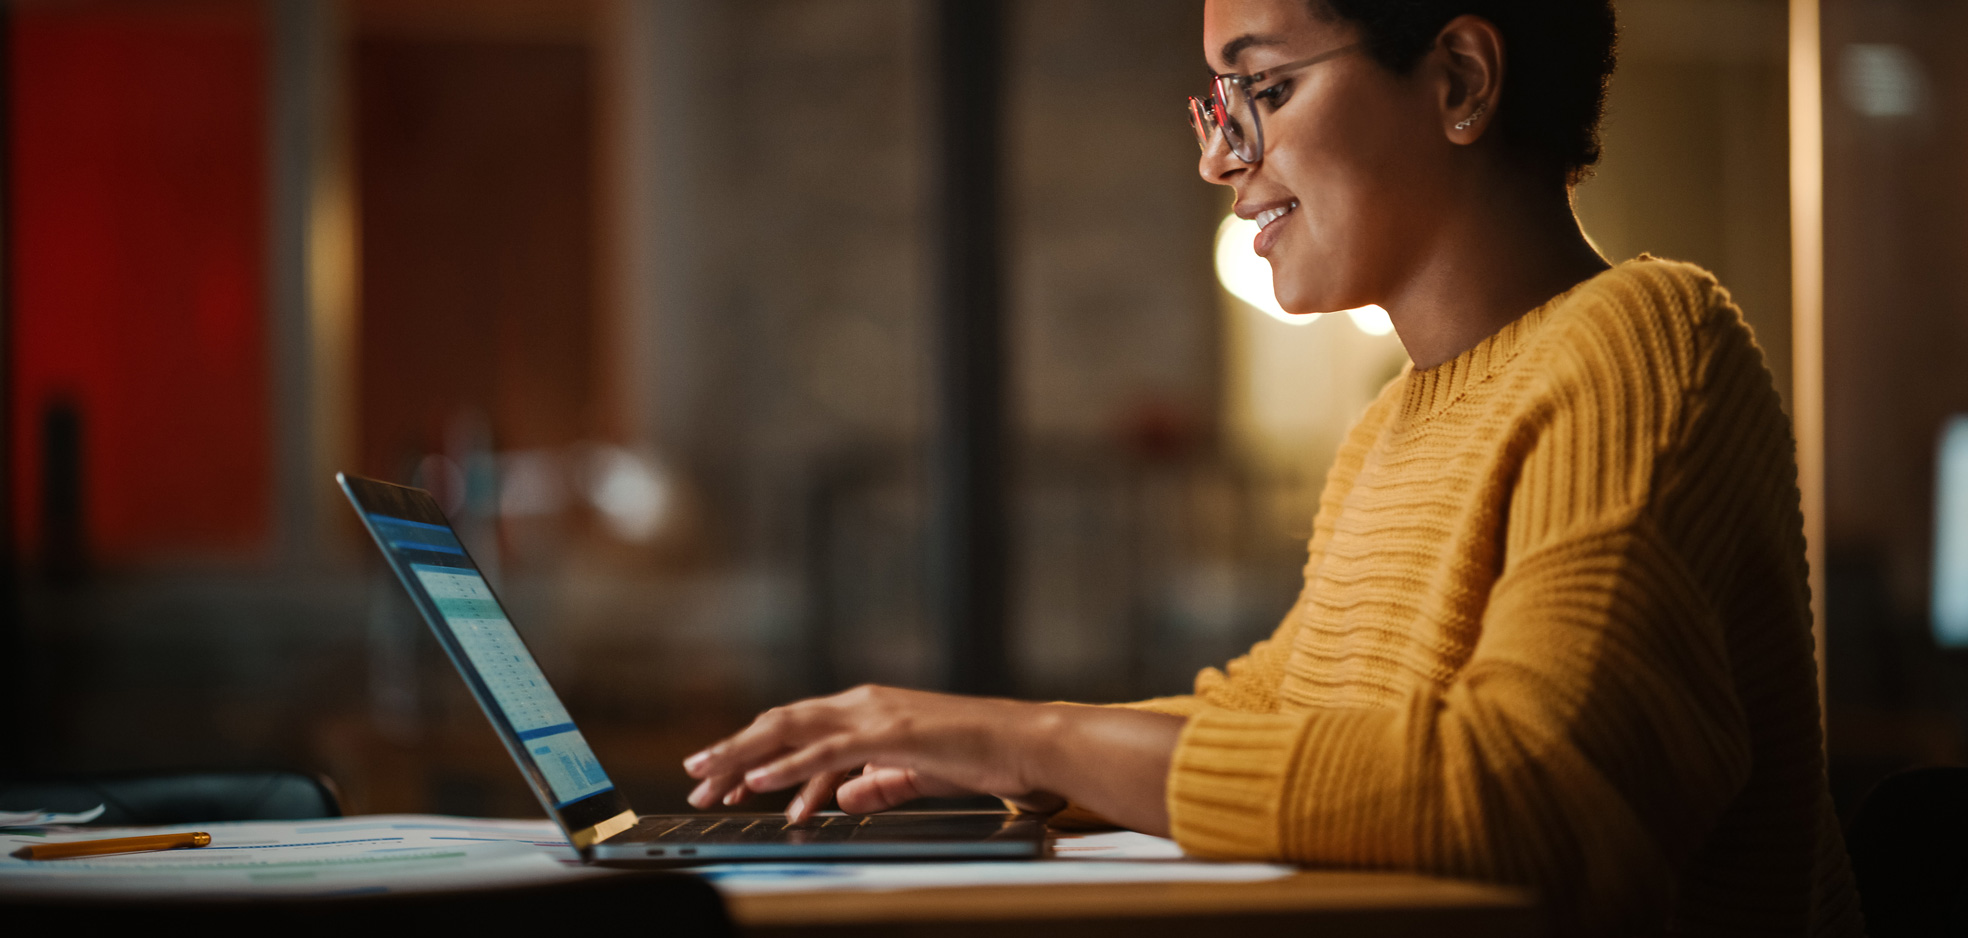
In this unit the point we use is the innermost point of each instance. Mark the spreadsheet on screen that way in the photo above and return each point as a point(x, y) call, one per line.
point(518, 688)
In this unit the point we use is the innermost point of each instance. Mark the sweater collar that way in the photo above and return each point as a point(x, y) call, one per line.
point(1434, 390)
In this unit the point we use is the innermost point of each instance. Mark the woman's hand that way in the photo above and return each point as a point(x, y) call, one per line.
point(914, 744)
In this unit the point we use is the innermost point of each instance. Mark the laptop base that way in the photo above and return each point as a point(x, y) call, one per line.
point(686, 839)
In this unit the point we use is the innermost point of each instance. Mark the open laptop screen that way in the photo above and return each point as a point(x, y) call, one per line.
point(437, 561)
point(476, 633)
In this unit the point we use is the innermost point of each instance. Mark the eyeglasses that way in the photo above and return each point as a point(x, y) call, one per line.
point(1232, 109)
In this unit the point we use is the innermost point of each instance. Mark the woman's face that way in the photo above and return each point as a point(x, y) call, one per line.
point(1353, 152)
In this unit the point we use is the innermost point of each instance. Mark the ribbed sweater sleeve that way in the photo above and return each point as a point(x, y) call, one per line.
point(1566, 712)
point(1586, 749)
point(1250, 682)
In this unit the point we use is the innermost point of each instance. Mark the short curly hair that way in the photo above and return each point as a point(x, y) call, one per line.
point(1561, 55)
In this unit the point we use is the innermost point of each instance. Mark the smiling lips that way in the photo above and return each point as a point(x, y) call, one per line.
point(1265, 235)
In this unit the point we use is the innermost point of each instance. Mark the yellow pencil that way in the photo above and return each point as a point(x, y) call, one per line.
point(91, 848)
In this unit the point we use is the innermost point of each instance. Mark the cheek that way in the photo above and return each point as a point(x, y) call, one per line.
point(1330, 256)
point(1363, 202)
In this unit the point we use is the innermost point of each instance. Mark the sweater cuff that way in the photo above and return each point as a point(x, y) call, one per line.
point(1226, 782)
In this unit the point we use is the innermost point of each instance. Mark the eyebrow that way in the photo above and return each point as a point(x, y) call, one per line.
point(1236, 47)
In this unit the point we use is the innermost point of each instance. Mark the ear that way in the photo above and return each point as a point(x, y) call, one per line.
point(1468, 59)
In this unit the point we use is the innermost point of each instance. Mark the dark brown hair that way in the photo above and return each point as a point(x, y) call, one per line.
point(1560, 56)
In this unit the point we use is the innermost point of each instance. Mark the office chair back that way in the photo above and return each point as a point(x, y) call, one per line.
point(179, 798)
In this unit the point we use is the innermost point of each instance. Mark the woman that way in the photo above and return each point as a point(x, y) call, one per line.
point(1555, 628)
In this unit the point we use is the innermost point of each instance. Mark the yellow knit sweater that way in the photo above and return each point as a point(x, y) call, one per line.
point(1555, 631)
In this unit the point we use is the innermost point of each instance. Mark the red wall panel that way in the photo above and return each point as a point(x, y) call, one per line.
point(138, 189)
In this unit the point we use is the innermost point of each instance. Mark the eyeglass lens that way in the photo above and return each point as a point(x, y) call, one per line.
point(1202, 120)
point(1228, 109)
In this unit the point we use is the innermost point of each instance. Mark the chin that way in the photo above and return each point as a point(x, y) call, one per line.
point(1301, 302)
point(1300, 298)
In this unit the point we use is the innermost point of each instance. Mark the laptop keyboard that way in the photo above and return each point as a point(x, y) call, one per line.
point(825, 828)
point(744, 829)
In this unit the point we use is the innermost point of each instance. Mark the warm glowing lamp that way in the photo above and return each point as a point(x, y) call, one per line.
point(1248, 278)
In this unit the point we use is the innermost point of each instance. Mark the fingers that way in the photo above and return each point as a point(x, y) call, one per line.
point(722, 767)
point(835, 754)
point(879, 789)
point(766, 737)
point(813, 742)
point(731, 770)
point(813, 797)
point(718, 789)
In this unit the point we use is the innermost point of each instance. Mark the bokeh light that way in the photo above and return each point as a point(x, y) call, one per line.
point(1248, 278)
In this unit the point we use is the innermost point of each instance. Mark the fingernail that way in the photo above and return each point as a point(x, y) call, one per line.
point(731, 798)
point(794, 808)
point(697, 761)
point(757, 777)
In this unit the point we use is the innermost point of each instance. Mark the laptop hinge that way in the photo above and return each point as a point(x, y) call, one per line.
point(589, 836)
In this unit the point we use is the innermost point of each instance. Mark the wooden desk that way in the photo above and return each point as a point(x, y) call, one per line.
point(1326, 903)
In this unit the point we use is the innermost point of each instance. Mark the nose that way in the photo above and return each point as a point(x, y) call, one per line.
point(1218, 164)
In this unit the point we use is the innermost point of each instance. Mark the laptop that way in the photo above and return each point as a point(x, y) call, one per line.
point(448, 590)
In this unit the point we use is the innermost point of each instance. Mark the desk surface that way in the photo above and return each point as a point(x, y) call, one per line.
point(413, 855)
point(1333, 903)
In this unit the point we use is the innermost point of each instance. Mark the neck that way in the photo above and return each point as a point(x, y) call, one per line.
point(1515, 245)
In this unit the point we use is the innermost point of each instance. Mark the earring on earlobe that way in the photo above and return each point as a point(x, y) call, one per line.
point(1474, 116)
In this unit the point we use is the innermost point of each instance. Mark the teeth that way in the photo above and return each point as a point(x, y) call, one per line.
point(1266, 217)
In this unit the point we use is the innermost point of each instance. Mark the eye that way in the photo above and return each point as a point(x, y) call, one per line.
point(1274, 96)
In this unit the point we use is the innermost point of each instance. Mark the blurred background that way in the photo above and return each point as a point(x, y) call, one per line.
point(765, 347)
